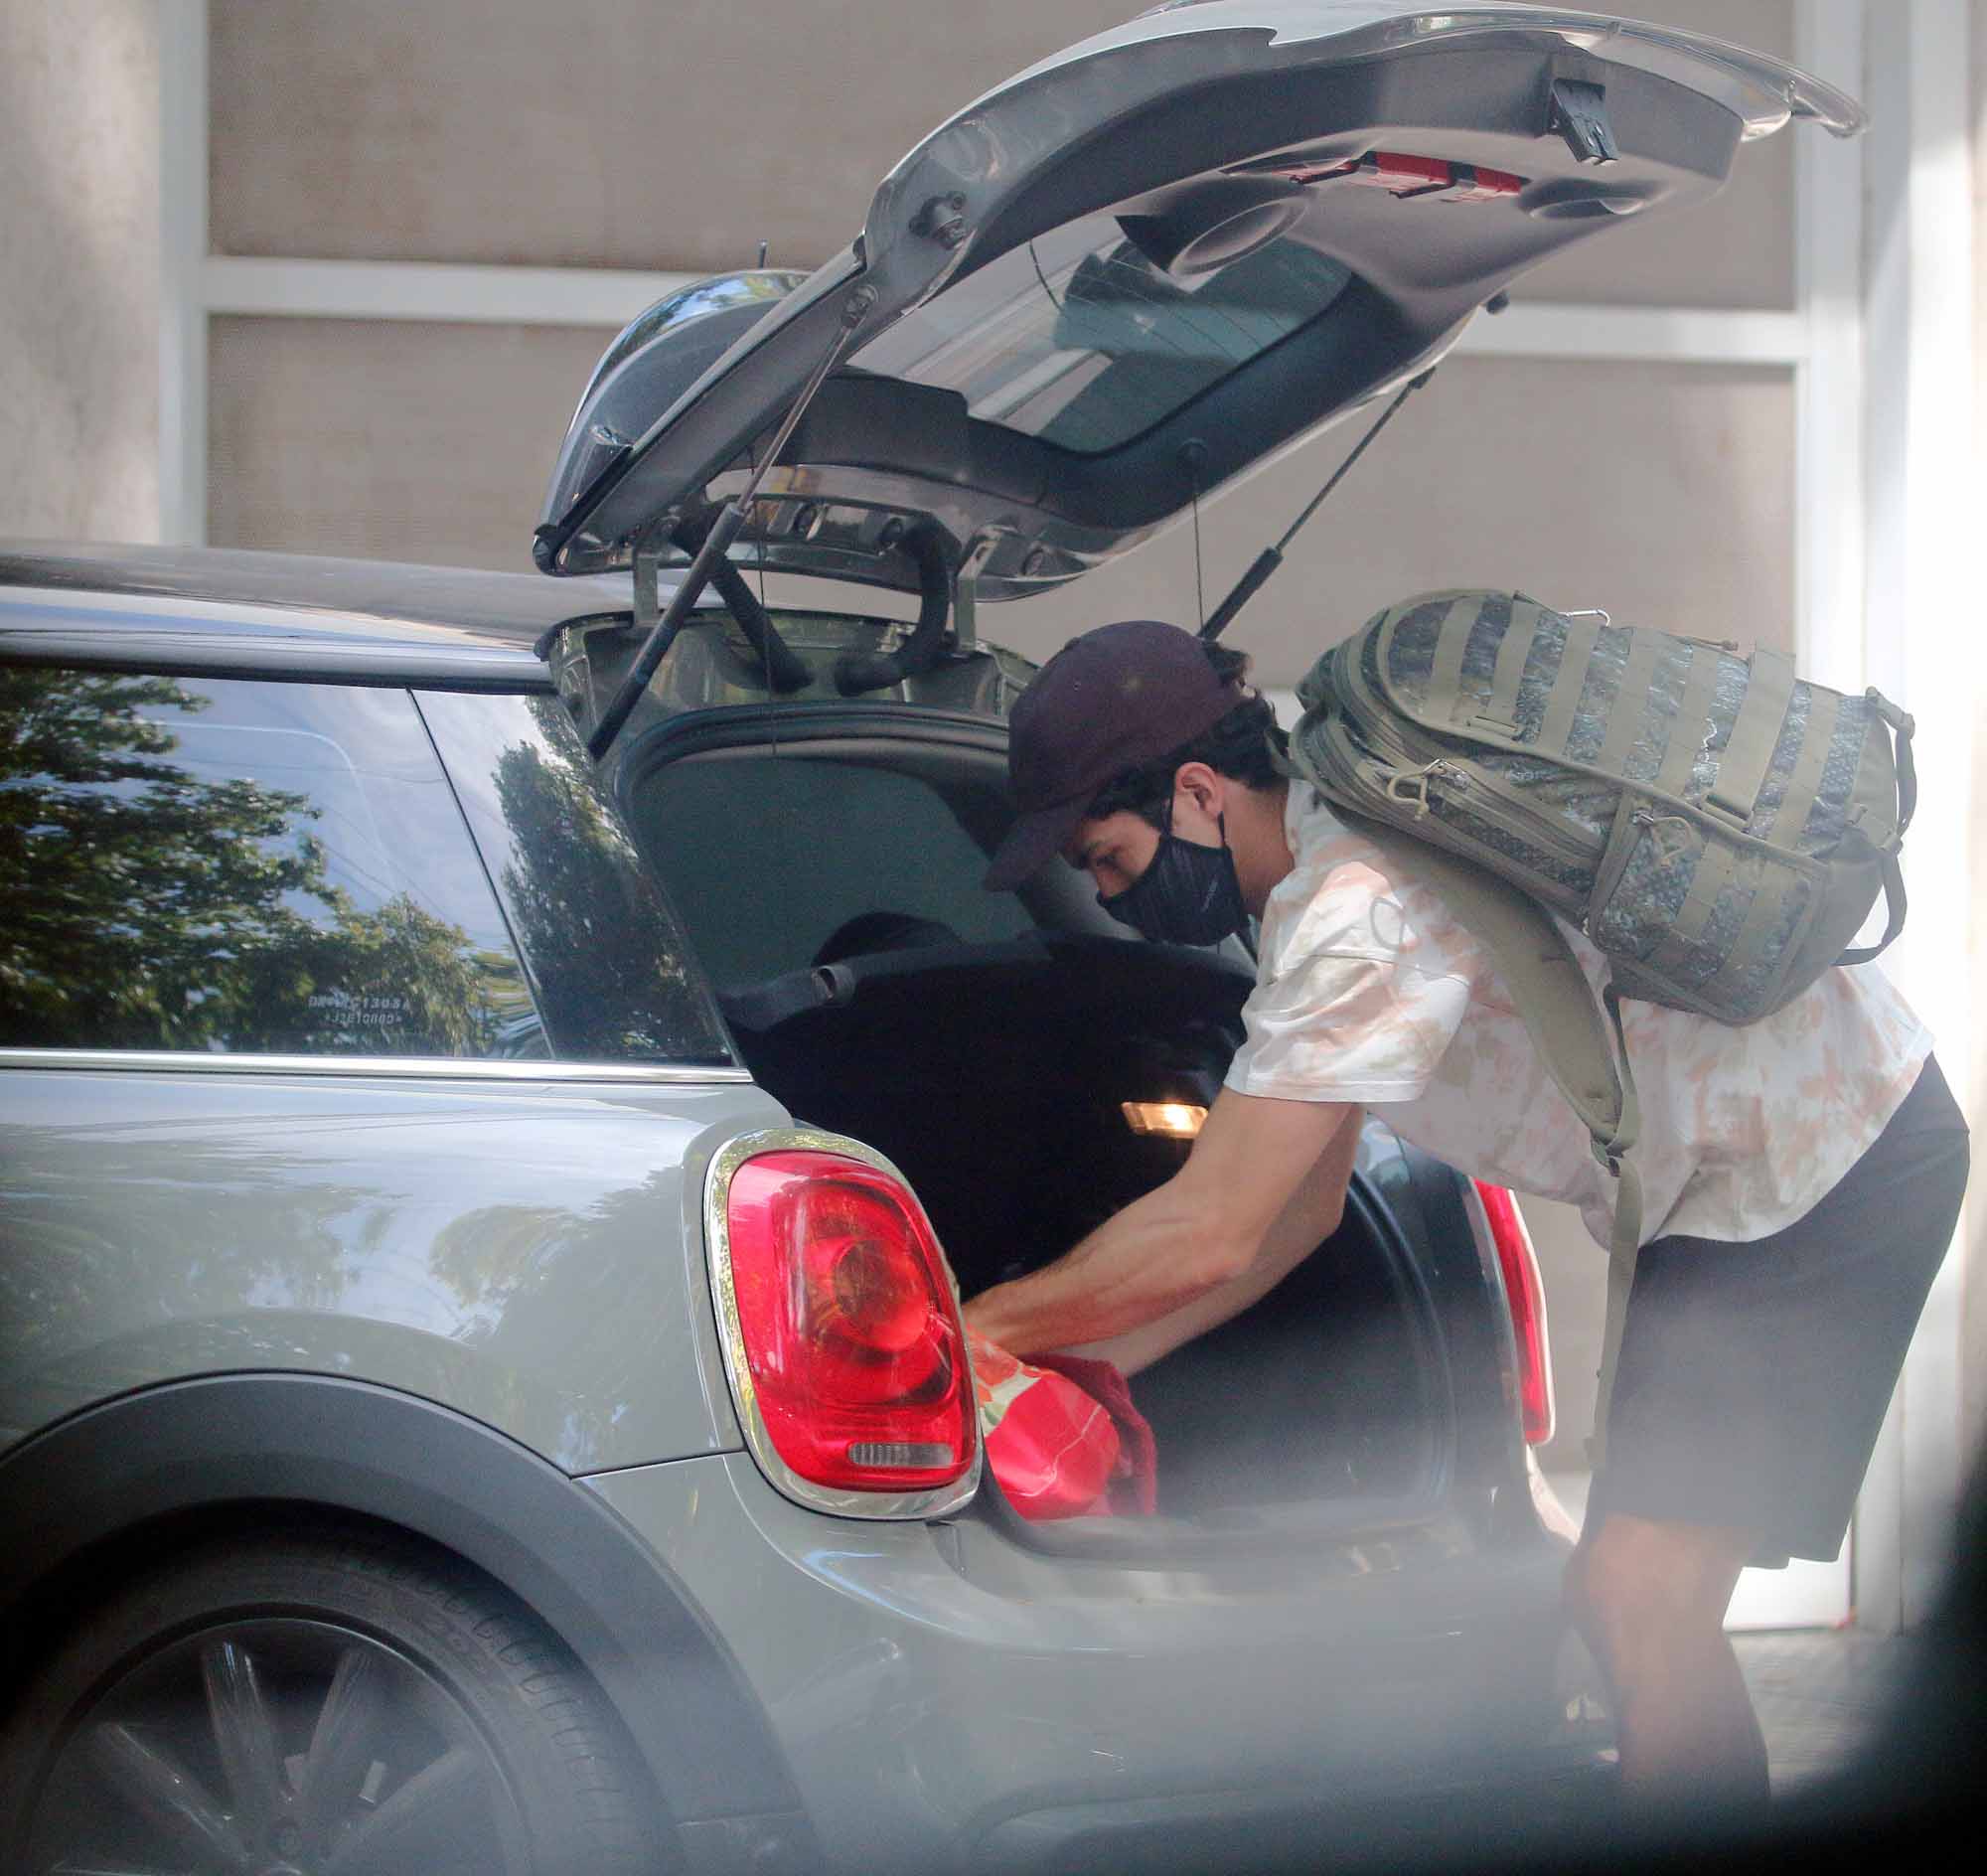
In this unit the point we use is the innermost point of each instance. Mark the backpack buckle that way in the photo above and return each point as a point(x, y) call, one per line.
point(1408, 788)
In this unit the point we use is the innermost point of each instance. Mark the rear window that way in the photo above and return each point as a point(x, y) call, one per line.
point(223, 866)
point(1079, 338)
point(779, 862)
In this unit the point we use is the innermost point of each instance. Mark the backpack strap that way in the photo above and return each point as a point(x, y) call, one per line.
point(1755, 734)
point(1894, 915)
point(1623, 1247)
point(1903, 728)
point(1582, 637)
point(1587, 1057)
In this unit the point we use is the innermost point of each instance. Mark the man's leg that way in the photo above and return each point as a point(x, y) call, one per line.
point(1751, 1382)
point(1649, 1598)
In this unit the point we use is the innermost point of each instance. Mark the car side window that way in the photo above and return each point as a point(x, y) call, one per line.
point(608, 959)
point(221, 865)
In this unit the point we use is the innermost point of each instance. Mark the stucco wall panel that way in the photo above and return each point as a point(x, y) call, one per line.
point(600, 132)
point(1663, 493)
point(389, 441)
point(617, 133)
point(79, 268)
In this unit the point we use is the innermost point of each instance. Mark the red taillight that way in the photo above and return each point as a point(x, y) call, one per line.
point(1526, 1294)
point(849, 1333)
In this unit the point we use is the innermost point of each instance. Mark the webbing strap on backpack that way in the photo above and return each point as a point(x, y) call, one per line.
point(1557, 1006)
point(1903, 728)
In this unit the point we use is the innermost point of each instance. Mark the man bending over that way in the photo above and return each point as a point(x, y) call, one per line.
point(1801, 1176)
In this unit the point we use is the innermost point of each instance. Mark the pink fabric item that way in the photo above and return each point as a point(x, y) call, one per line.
point(1053, 1444)
point(1134, 1489)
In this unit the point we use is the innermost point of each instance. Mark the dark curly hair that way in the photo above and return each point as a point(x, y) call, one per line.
point(1239, 746)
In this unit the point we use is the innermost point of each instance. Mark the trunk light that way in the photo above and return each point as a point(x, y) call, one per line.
point(1172, 1120)
point(854, 1353)
point(1526, 1295)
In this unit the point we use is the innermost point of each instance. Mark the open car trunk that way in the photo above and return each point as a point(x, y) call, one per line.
point(987, 1045)
point(995, 1078)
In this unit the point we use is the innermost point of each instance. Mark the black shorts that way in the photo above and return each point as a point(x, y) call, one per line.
point(1752, 1378)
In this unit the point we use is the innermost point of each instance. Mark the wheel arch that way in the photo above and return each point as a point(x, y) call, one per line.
point(184, 1458)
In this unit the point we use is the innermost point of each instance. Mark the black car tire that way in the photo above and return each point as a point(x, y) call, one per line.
point(318, 1703)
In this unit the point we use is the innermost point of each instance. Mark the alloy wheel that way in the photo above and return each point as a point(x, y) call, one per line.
point(274, 1745)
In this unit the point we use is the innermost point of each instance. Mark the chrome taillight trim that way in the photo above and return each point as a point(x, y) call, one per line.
point(938, 1501)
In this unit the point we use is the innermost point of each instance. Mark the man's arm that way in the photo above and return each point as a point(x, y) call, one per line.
point(1310, 1218)
point(1203, 1228)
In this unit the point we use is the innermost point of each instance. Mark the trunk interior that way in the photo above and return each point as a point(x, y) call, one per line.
point(990, 1064)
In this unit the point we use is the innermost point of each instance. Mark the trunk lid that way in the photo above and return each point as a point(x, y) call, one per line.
point(1144, 267)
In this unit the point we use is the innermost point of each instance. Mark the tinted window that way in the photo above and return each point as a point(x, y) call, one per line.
point(781, 862)
point(607, 957)
point(206, 863)
point(1080, 338)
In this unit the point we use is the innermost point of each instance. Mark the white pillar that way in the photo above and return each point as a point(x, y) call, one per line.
point(1829, 562)
point(1922, 639)
point(183, 118)
point(1829, 570)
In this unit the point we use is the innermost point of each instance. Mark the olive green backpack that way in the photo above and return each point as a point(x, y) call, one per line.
point(1717, 828)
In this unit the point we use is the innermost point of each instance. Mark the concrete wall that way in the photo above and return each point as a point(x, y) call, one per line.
point(78, 268)
point(388, 440)
point(1661, 492)
point(619, 133)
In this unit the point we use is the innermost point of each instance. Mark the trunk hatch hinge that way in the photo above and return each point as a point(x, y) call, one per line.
point(663, 626)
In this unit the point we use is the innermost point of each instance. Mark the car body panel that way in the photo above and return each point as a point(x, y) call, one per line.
point(517, 1248)
point(118, 1479)
point(930, 1684)
point(524, 1250)
point(1129, 150)
point(1761, 91)
point(228, 609)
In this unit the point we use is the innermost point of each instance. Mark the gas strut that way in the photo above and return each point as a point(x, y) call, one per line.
point(1267, 562)
point(716, 544)
point(785, 669)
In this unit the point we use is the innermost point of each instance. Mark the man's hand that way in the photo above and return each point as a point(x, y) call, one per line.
point(1207, 1229)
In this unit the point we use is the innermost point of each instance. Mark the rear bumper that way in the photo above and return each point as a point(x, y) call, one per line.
point(950, 1699)
point(1529, 1820)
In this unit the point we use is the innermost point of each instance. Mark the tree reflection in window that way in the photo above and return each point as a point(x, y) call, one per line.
point(152, 896)
point(609, 956)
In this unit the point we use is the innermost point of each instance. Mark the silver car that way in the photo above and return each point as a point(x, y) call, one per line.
point(502, 1079)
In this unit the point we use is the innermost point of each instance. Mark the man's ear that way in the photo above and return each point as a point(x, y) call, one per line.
point(1206, 788)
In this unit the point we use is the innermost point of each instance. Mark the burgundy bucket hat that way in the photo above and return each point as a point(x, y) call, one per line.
point(1115, 699)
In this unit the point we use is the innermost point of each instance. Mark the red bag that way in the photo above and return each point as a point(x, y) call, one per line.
point(1053, 1444)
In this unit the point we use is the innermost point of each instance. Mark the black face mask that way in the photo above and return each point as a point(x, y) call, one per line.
point(1188, 895)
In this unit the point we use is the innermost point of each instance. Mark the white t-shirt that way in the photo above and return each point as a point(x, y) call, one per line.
point(1368, 990)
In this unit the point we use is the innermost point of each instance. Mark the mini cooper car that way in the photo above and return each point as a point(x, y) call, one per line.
point(505, 1079)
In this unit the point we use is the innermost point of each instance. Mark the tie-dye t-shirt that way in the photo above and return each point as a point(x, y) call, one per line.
point(1368, 990)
